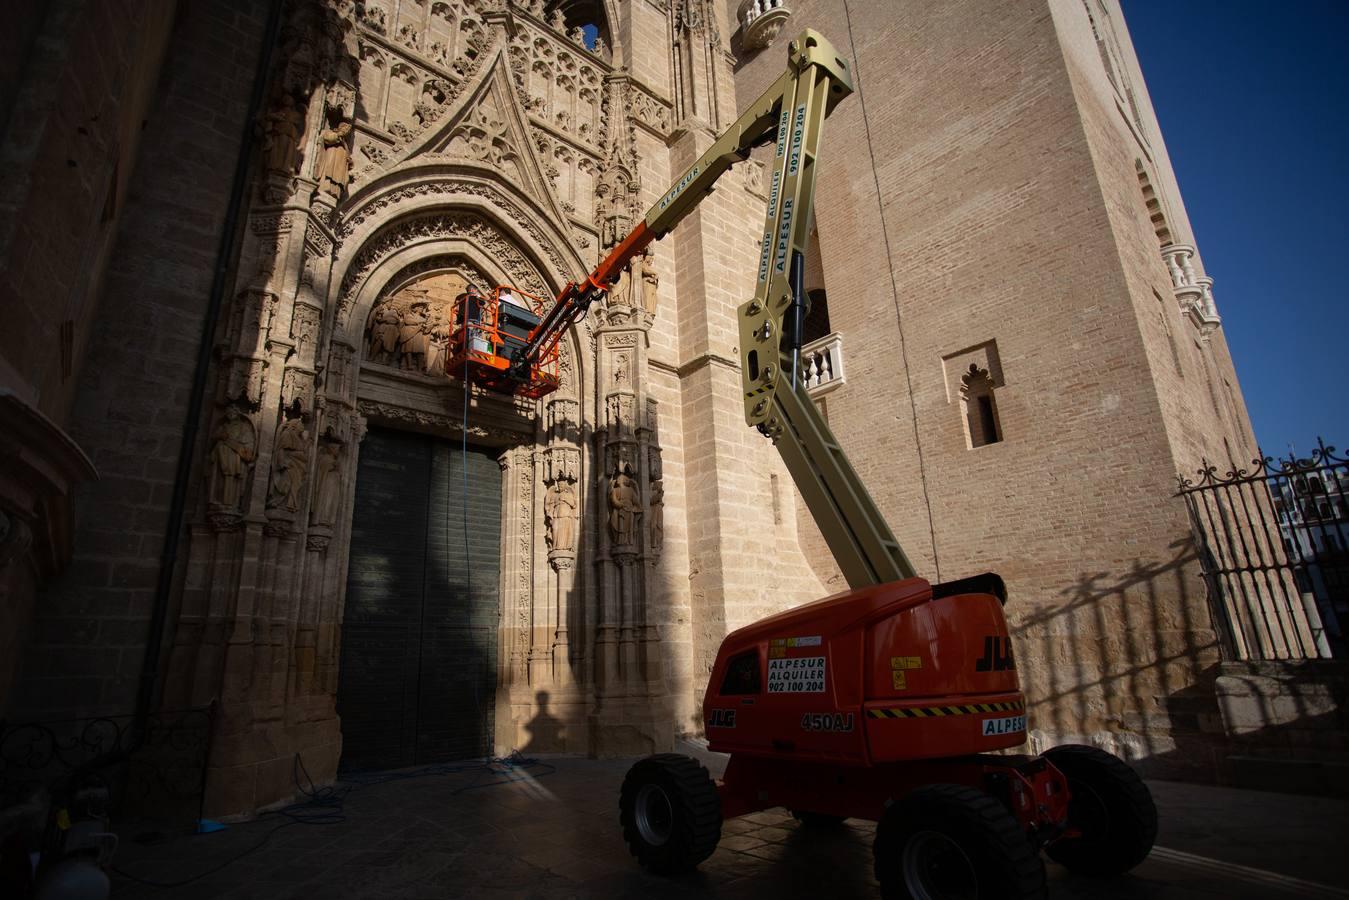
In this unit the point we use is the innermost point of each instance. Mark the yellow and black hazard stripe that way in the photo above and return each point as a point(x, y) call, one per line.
point(922, 712)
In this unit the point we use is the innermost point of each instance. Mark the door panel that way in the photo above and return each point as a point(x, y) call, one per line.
point(417, 678)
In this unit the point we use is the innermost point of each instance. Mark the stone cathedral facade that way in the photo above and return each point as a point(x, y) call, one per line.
point(1015, 403)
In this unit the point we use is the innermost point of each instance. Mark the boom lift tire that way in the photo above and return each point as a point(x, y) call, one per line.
point(671, 813)
point(1110, 806)
point(948, 841)
point(821, 821)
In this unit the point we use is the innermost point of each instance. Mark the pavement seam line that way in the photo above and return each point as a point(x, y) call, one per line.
point(1194, 861)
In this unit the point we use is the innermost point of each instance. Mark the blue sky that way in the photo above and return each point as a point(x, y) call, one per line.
point(1253, 100)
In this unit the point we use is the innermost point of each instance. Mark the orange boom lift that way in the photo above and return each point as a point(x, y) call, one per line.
point(894, 701)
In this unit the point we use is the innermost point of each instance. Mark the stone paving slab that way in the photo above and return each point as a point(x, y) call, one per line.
point(555, 834)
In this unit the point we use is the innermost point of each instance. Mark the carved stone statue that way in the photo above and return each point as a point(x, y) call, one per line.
point(233, 446)
point(284, 127)
point(625, 506)
point(621, 293)
point(560, 513)
point(610, 215)
point(650, 285)
point(334, 167)
point(327, 484)
point(290, 466)
point(384, 333)
point(412, 336)
point(657, 537)
point(437, 342)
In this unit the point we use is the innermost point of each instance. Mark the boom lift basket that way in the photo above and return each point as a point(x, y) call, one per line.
point(487, 329)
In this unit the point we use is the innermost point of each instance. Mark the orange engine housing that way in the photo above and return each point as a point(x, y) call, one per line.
point(900, 671)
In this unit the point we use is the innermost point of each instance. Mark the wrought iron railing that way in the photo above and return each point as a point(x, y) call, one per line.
point(1273, 543)
point(157, 771)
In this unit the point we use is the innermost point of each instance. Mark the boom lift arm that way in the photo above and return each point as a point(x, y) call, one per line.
point(792, 111)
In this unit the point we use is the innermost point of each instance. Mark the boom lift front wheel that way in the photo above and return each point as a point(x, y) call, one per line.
point(1111, 809)
point(671, 813)
point(951, 842)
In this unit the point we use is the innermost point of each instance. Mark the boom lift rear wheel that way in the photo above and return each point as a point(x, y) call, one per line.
point(671, 813)
point(952, 842)
point(1111, 807)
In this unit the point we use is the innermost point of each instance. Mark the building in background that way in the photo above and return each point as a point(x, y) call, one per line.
point(237, 473)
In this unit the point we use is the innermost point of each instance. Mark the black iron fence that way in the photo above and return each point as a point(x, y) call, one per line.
point(1273, 542)
point(154, 772)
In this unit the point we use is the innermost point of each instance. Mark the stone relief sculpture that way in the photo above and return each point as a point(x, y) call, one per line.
point(560, 517)
point(438, 341)
point(327, 484)
point(233, 446)
point(625, 507)
point(290, 466)
point(334, 167)
point(611, 214)
point(384, 324)
point(412, 336)
point(282, 133)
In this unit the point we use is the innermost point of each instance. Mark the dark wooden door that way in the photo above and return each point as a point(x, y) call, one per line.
point(419, 637)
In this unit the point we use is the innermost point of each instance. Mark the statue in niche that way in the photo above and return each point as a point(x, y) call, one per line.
point(657, 536)
point(283, 129)
point(611, 215)
point(438, 341)
point(233, 446)
point(625, 506)
point(290, 465)
point(621, 293)
point(334, 167)
point(560, 515)
point(650, 284)
point(384, 333)
point(327, 484)
point(412, 337)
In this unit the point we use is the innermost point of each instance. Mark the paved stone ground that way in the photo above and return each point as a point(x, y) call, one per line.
point(555, 834)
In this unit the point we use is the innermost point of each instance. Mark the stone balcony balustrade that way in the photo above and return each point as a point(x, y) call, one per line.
point(761, 22)
point(822, 365)
point(1194, 292)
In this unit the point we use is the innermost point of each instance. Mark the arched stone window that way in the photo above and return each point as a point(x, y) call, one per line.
point(981, 409)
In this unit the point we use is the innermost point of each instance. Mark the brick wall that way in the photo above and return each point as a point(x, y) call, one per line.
point(974, 204)
point(90, 624)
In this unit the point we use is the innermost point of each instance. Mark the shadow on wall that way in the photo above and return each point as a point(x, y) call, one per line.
point(1128, 663)
point(545, 729)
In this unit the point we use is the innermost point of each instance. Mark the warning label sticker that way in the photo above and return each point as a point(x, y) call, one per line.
point(813, 640)
point(798, 675)
point(906, 662)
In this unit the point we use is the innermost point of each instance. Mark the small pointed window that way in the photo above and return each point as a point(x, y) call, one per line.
point(981, 409)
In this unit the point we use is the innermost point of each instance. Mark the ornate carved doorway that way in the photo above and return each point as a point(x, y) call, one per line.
point(419, 640)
